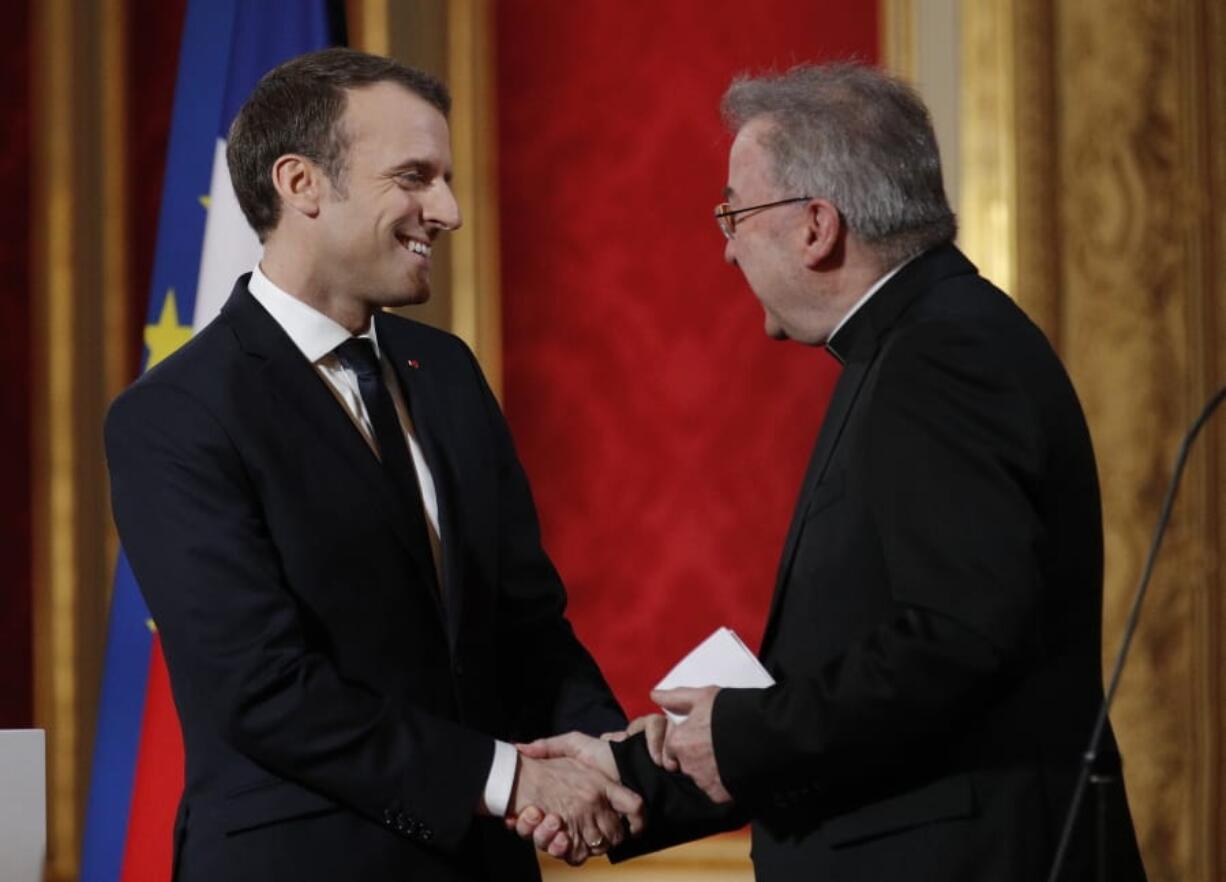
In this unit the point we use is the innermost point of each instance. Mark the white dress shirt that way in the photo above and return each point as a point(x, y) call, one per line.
point(317, 336)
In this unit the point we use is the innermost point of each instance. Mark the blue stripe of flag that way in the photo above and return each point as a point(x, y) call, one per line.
point(204, 62)
point(265, 35)
point(120, 711)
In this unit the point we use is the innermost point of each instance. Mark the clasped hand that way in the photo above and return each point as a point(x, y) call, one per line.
point(571, 809)
point(588, 825)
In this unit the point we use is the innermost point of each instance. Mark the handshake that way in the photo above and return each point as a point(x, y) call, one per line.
point(568, 796)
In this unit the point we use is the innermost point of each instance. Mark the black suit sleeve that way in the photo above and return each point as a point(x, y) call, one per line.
point(190, 519)
point(551, 684)
point(675, 810)
point(950, 452)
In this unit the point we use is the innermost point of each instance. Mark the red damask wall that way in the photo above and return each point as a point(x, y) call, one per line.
point(16, 660)
point(665, 436)
point(153, 41)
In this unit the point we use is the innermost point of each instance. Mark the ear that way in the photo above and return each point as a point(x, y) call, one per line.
point(299, 182)
point(823, 231)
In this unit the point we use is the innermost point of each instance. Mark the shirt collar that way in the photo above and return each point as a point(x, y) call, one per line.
point(312, 332)
point(877, 285)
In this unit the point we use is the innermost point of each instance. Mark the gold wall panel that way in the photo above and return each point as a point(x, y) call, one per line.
point(455, 42)
point(1136, 214)
point(1008, 152)
point(475, 293)
point(987, 215)
point(1093, 163)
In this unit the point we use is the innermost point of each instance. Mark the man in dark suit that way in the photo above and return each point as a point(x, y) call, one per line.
point(326, 515)
point(935, 627)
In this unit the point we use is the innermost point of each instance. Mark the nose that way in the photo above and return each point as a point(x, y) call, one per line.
point(441, 209)
point(730, 252)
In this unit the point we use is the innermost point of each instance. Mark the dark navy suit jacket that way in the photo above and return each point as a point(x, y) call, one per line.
point(338, 714)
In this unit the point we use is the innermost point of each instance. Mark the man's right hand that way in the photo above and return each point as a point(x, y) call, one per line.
point(571, 810)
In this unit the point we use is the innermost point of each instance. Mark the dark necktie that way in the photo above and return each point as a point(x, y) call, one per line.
point(358, 354)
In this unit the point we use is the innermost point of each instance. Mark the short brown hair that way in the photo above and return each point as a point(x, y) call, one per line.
point(296, 108)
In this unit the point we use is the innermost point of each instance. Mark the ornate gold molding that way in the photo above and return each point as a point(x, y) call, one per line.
point(455, 41)
point(897, 38)
point(80, 348)
point(368, 26)
point(1092, 190)
point(1138, 218)
point(53, 454)
point(988, 210)
point(476, 314)
point(116, 283)
point(1201, 111)
point(1213, 36)
point(1008, 164)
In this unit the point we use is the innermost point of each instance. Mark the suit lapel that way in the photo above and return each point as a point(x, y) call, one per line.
point(845, 393)
point(290, 378)
point(858, 344)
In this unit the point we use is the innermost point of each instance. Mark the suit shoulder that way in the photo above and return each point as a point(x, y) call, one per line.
point(955, 352)
point(969, 313)
point(187, 374)
point(969, 350)
point(196, 360)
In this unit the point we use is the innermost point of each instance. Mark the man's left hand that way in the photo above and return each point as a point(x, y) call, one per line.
point(690, 742)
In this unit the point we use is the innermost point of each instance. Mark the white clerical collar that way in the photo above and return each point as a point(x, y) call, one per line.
point(314, 333)
point(877, 286)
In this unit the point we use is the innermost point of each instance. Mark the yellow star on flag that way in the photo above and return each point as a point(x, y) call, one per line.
point(167, 335)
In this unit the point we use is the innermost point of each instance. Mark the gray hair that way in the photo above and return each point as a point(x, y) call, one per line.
point(860, 138)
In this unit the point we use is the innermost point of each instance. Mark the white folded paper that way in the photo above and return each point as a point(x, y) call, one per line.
point(720, 660)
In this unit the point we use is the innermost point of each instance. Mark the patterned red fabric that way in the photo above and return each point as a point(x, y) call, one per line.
point(665, 436)
point(16, 617)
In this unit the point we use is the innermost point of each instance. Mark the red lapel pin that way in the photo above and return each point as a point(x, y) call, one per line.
point(413, 363)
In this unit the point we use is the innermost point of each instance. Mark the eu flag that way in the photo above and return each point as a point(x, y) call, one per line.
point(203, 244)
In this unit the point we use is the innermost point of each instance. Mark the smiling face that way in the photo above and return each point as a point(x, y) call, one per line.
point(373, 233)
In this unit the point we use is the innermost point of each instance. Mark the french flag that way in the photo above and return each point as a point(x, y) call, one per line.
point(203, 245)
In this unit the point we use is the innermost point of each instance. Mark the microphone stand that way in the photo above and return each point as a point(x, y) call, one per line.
point(1090, 757)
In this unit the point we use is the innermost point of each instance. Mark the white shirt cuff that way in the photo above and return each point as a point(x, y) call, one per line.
point(501, 780)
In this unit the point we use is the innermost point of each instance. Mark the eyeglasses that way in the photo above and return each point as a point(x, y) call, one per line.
point(725, 214)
